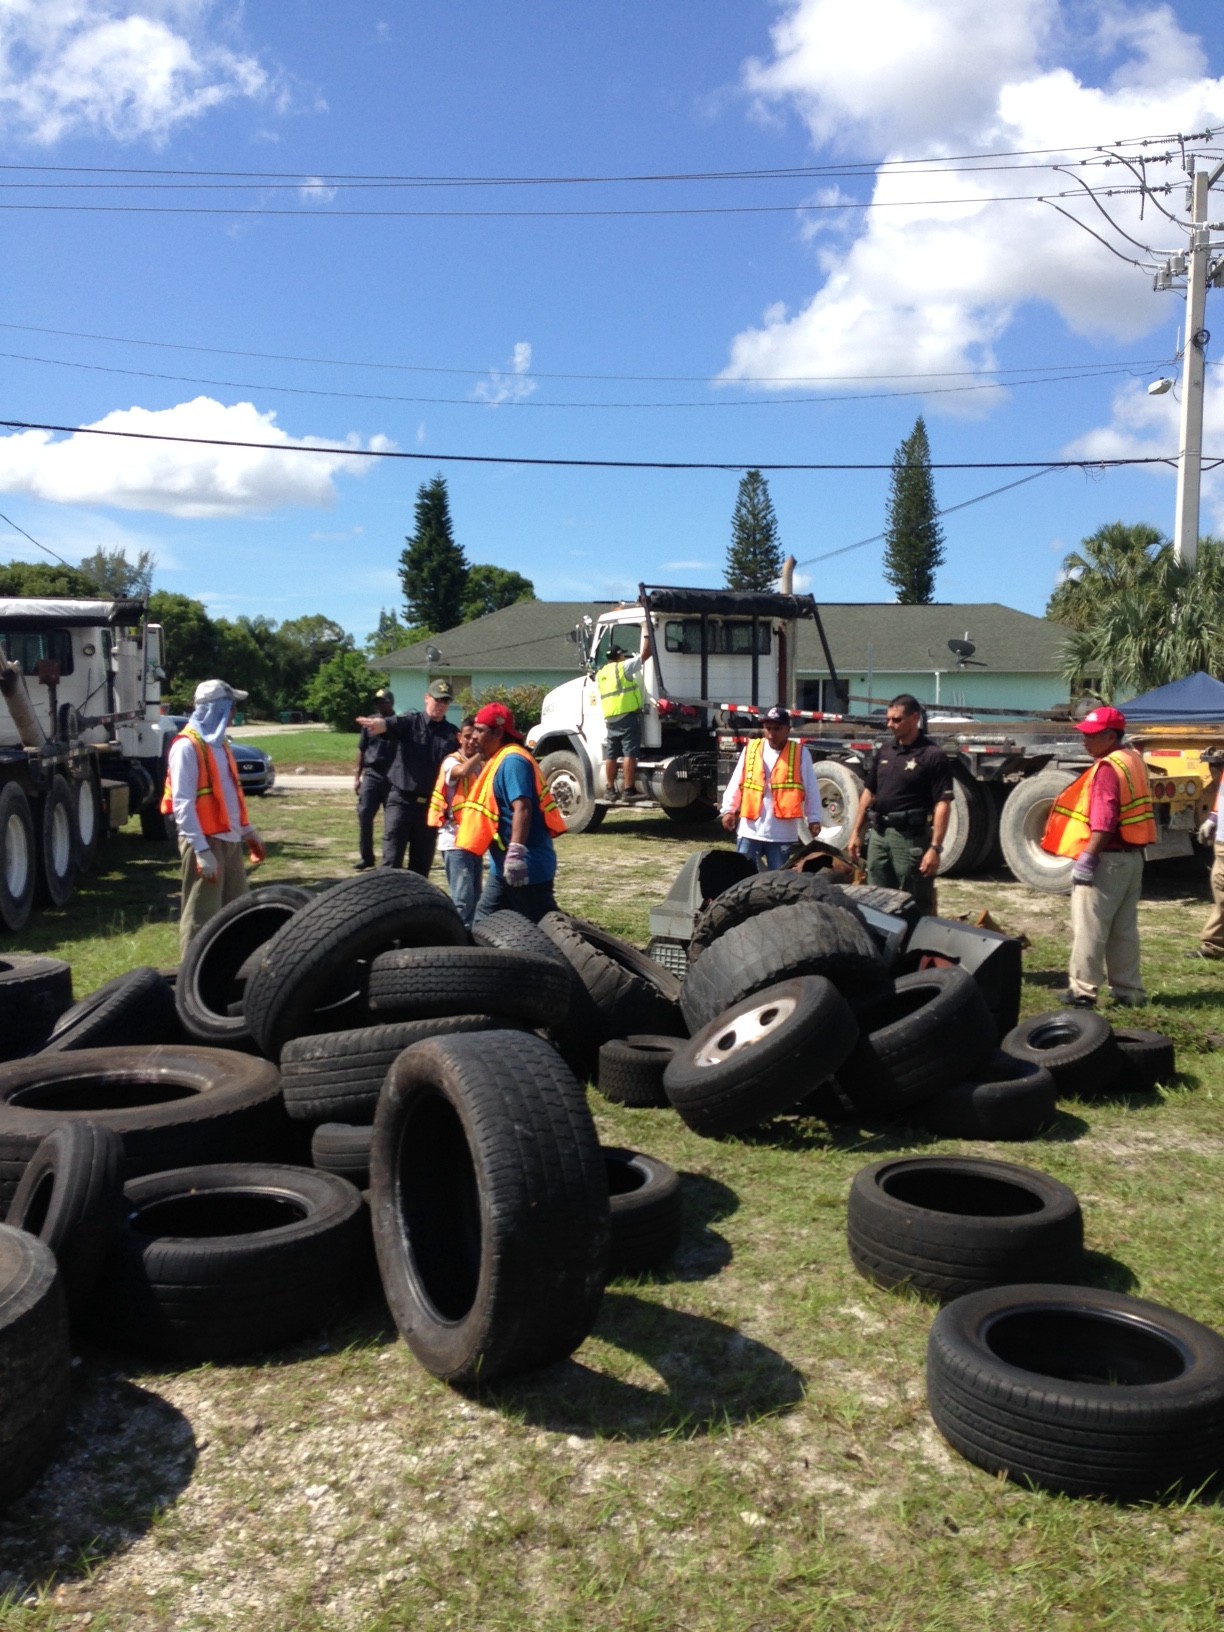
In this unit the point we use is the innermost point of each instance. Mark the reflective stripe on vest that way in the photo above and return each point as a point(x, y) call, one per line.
point(210, 807)
point(785, 781)
point(1067, 829)
point(447, 801)
point(478, 825)
point(619, 693)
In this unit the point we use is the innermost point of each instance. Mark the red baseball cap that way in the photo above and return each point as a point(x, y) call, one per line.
point(1102, 719)
point(500, 717)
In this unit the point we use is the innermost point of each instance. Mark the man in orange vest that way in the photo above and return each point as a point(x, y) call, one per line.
point(511, 817)
point(456, 779)
point(1102, 821)
point(772, 787)
point(204, 793)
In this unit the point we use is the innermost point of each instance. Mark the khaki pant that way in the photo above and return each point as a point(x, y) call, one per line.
point(202, 897)
point(1105, 929)
point(1213, 930)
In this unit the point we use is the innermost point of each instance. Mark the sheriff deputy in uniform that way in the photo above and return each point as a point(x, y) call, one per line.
point(423, 740)
point(620, 698)
point(205, 795)
point(371, 782)
point(1103, 820)
point(772, 787)
point(907, 801)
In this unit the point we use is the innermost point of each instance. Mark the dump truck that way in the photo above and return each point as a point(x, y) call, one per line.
point(81, 747)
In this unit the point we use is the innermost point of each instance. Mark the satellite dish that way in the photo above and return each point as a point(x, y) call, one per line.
point(962, 648)
point(433, 654)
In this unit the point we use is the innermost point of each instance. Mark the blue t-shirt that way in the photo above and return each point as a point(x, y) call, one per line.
point(514, 779)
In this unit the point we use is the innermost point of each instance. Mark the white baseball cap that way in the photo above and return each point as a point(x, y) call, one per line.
point(216, 691)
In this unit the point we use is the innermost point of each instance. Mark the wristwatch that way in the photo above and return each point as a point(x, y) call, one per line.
point(938, 848)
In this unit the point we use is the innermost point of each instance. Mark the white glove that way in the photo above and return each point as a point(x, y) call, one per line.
point(206, 863)
point(514, 868)
point(1207, 831)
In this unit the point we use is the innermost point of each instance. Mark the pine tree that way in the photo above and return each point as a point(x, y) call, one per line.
point(913, 538)
point(433, 568)
point(754, 557)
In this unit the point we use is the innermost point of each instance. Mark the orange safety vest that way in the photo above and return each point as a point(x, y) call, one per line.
point(1066, 830)
point(447, 801)
point(785, 781)
point(210, 807)
point(478, 824)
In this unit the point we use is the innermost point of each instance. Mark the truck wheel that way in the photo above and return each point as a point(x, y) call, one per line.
point(57, 847)
point(562, 771)
point(153, 825)
point(840, 791)
point(960, 841)
point(1021, 826)
point(16, 857)
point(88, 818)
point(688, 815)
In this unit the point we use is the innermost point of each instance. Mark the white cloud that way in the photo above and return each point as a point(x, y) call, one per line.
point(125, 70)
point(687, 566)
point(932, 288)
point(175, 478)
point(515, 386)
point(314, 190)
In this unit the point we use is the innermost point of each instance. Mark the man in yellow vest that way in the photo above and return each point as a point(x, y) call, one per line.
point(772, 788)
point(620, 697)
point(511, 817)
point(205, 795)
point(1102, 821)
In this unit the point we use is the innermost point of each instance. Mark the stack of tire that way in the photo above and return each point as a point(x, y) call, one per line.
point(1031, 1374)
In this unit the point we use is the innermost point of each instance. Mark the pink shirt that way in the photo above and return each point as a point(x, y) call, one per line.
point(1105, 805)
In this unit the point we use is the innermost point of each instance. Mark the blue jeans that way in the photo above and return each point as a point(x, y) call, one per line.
point(771, 853)
point(532, 900)
point(463, 880)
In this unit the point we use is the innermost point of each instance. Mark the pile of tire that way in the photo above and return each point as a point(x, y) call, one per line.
point(154, 1142)
point(1031, 1374)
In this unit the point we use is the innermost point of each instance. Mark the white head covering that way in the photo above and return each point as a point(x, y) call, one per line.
point(214, 703)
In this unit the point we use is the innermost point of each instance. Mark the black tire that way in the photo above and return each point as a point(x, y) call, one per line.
point(17, 857)
point(646, 1210)
point(87, 817)
point(807, 938)
point(563, 773)
point(963, 832)
point(1150, 1059)
point(35, 1359)
point(690, 815)
point(432, 982)
point(1021, 824)
point(318, 954)
point(919, 1033)
point(490, 1205)
point(761, 1056)
point(155, 827)
point(612, 996)
point(338, 1076)
point(1076, 1046)
point(948, 1225)
point(230, 1259)
point(56, 876)
point(762, 893)
point(34, 992)
point(1025, 1381)
point(983, 848)
point(71, 1197)
point(841, 788)
point(133, 1009)
point(336, 1147)
point(1005, 1099)
point(898, 903)
point(631, 1070)
point(170, 1106)
point(511, 932)
point(211, 984)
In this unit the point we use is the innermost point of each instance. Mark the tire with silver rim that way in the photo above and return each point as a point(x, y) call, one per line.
point(761, 1056)
point(16, 857)
point(840, 791)
point(562, 771)
point(1021, 825)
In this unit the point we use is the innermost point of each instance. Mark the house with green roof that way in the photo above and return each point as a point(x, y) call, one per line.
point(879, 649)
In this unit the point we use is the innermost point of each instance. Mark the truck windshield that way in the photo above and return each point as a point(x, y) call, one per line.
point(725, 636)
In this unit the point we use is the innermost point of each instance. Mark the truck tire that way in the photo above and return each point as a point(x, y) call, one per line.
point(56, 876)
point(35, 1359)
point(490, 1204)
point(617, 992)
point(840, 791)
point(34, 992)
point(985, 853)
point(87, 817)
point(156, 827)
point(920, 1033)
point(761, 893)
point(17, 868)
point(431, 982)
point(71, 1197)
point(210, 986)
point(562, 771)
point(1021, 824)
point(1079, 1390)
point(134, 1008)
point(959, 840)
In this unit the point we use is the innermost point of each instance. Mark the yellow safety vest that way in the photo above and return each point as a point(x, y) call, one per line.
point(447, 801)
point(785, 781)
point(1067, 830)
point(478, 824)
point(619, 693)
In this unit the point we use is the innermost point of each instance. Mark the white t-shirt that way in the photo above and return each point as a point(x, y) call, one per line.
point(771, 829)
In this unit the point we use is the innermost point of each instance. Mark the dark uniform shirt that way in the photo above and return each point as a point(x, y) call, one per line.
point(910, 779)
point(375, 752)
point(422, 745)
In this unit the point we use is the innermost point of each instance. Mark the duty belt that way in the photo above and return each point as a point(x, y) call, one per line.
point(904, 821)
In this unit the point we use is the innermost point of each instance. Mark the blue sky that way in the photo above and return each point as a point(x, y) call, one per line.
point(743, 325)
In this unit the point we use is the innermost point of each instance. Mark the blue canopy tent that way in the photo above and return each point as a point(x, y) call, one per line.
point(1196, 700)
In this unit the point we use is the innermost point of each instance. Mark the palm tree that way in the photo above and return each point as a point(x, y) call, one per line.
point(1117, 555)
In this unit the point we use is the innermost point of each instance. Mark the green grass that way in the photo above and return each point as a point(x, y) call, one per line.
point(321, 751)
point(743, 1442)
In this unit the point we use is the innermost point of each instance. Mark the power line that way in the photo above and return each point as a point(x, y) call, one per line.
point(333, 451)
point(11, 523)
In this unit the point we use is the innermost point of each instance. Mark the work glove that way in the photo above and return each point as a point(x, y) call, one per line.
point(1207, 831)
point(1084, 869)
point(515, 869)
point(206, 865)
point(255, 846)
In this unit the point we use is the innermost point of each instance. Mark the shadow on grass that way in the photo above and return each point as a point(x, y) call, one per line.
point(702, 1252)
point(714, 1378)
point(1111, 1274)
point(882, 1138)
point(125, 1456)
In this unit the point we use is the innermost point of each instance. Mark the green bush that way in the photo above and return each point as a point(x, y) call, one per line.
point(342, 689)
point(524, 702)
